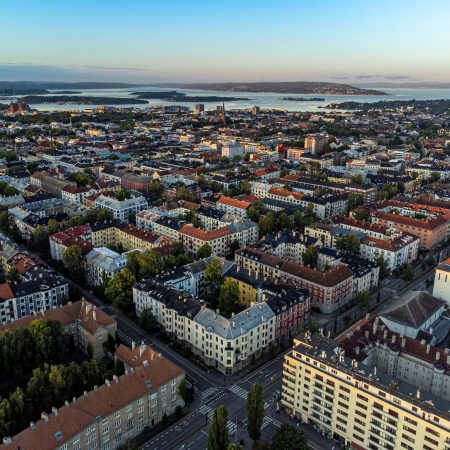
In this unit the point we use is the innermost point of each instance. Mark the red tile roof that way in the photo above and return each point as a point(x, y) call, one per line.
point(189, 230)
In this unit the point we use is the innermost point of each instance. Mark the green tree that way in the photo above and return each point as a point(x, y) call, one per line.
point(120, 290)
point(74, 261)
point(147, 320)
point(362, 299)
point(123, 194)
point(310, 256)
point(40, 239)
point(255, 411)
point(361, 214)
point(245, 187)
point(104, 215)
point(213, 280)
point(218, 438)
point(289, 438)
point(53, 226)
point(434, 176)
point(150, 263)
point(13, 275)
point(266, 225)
point(228, 297)
point(354, 200)
point(184, 392)
point(284, 222)
point(204, 251)
point(348, 244)
point(253, 214)
point(357, 179)
point(384, 269)
point(4, 221)
point(119, 367)
point(76, 220)
point(408, 273)
point(235, 245)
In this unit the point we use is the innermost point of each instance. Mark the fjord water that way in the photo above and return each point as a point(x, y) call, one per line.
point(265, 100)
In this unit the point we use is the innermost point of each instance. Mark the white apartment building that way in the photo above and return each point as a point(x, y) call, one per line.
point(226, 344)
point(441, 287)
point(121, 209)
point(232, 148)
point(102, 264)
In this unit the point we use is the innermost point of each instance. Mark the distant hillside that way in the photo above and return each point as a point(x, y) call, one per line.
point(282, 87)
point(407, 85)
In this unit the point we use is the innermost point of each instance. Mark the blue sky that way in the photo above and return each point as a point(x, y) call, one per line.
point(227, 40)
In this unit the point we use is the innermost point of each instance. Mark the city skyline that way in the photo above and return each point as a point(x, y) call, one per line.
point(346, 42)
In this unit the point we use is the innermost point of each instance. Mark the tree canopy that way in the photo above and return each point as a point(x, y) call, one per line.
point(255, 411)
point(218, 438)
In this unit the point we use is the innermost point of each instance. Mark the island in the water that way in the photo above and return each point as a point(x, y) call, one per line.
point(431, 106)
point(282, 87)
point(65, 92)
point(303, 99)
point(80, 100)
point(175, 96)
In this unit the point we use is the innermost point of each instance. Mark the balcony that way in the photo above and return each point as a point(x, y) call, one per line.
point(379, 427)
point(379, 444)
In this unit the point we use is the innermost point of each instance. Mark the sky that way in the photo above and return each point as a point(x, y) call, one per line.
point(348, 41)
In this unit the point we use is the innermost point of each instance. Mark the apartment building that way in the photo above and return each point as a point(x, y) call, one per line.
point(232, 206)
point(226, 344)
point(314, 143)
point(330, 289)
point(121, 209)
point(62, 240)
point(356, 403)
point(232, 148)
point(102, 264)
point(109, 415)
point(40, 290)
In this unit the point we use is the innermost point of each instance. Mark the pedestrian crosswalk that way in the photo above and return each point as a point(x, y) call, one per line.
point(231, 427)
point(209, 392)
point(266, 405)
point(241, 392)
point(205, 409)
point(266, 421)
point(393, 292)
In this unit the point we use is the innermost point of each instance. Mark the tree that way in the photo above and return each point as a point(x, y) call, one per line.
point(184, 392)
point(245, 187)
point(120, 290)
point(104, 215)
point(384, 269)
point(354, 200)
point(348, 244)
point(147, 320)
point(119, 367)
point(289, 438)
point(204, 251)
point(362, 299)
point(408, 273)
point(76, 220)
point(123, 194)
point(40, 239)
point(266, 225)
point(361, 214)
point(235, 245)
point(357, 179)
point(310, 256)
point(284, 222)
point(228, 297)
point(434, 176)
point(213, 280)
point(255, 411)
point(53, 226)
point(4, 221)
point(150, 263)
point(218, 438)
point(13, 275)
point(74, 261)
point(253, 214)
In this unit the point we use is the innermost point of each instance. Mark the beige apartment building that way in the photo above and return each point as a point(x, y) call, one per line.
point(106, 417)
point(356, 405)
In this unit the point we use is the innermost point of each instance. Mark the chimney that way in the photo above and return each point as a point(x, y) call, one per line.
point(403, 342)
point(7, 440)
point(448, 360)
point(447, 351)
point(67, 403)
point(108, 383)
point(366, 334)
point(438, 356)
point(44, 416)
point(394, 337)
point(95, 388)
point(116, 378)
point(375, 325)
point(55, 411)
point(142, 349)
point(428, 348)
point(145, 363)
point(85, 393)
point(94, 315)
point(74, 399)
point(32, 426)
point(133, 345)
point(385, 334)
